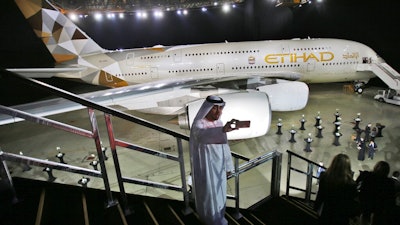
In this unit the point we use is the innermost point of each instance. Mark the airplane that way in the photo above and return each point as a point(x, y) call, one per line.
point(254, 77)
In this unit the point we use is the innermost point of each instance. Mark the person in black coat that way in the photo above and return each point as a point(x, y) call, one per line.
point(395, 178)
point(371, 149)
point(337, 197)
point(377, 196)
point(361, 149)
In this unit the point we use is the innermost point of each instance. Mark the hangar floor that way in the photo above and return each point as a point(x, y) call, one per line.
point(42, 142)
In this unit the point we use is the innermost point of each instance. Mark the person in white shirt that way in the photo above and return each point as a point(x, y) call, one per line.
point(211, 161)
point(189, 182)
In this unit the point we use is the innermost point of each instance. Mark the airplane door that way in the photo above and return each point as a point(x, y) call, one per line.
point(130, 59)
point(178, 56)
point(310, 66)
point(154, 72)
point(285, 49)
point(220, 67)
point(108, 77)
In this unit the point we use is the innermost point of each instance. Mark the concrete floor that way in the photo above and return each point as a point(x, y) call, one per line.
point(42, 142)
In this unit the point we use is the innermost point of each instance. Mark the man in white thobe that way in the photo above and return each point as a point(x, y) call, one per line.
point(211, 161)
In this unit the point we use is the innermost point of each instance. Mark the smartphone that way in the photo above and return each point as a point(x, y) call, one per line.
point(241, 124)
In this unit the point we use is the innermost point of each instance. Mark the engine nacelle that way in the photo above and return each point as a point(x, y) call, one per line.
point(286, 95)
point(248, 105)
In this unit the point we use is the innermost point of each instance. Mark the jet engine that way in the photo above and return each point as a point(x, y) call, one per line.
point(286, 95)
point(247, 105)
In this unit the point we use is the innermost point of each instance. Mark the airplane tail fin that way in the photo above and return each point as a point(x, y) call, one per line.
point(62, 37)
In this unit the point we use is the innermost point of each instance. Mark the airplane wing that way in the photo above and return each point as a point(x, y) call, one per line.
point(180, 97)
point(169, 96)
point(157, 97)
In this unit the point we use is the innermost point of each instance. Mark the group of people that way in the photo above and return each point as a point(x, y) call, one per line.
point(366, 144)
point(364, 148)
point(368, 200)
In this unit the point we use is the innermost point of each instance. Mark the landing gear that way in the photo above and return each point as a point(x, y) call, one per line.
point(358, 87)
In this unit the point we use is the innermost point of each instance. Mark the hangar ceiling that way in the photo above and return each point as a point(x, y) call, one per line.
point(86, 6)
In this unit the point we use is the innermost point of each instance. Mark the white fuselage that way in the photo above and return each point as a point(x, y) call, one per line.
point(307, 60)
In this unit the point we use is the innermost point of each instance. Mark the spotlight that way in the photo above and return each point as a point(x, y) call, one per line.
point(98, 16)
point(141, 15)
point(73, 17)
point(226, 8)
point(158, 14)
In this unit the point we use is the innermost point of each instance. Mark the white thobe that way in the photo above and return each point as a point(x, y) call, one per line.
point(211, 159)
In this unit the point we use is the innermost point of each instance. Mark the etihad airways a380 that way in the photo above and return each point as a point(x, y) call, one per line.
point(255, 77)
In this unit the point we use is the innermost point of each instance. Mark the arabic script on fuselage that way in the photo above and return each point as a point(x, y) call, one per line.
point(353, 55)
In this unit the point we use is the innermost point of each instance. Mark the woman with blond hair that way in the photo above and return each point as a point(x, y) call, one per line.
point(337, 197)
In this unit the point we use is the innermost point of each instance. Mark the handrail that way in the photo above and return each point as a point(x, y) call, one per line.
point(75, 130)
point(90, 104)
point(257, 161)
point(114, 142)
point(50, 164)
point(276, 157)
point(309, 176)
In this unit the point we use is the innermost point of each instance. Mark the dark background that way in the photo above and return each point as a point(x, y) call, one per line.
point(374, 23)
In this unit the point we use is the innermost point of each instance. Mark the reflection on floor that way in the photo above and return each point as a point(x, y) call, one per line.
point(325, 99)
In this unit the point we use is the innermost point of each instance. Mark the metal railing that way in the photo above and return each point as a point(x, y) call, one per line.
point(94, 134)
point(309, 172)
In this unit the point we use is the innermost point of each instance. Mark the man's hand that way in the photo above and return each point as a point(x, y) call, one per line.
point(230, 125)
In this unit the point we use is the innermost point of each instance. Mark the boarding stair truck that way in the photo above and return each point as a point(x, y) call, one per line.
point(388, 75)
point(389, 96)
point(382, 70)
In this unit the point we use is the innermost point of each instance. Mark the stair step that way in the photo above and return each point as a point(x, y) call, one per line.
point(278, 211)
point(68, 204)
point(161, 211)
point(12, 213)
point(250, 218)
point(186, 217)
point(301, 205)
point(139, 213)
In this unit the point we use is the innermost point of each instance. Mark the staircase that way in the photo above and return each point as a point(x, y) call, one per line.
point(388, 75)
point(384, 71)
point(48, 203)
point(45, 203)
